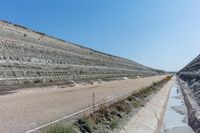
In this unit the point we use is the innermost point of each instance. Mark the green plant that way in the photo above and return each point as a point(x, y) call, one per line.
point(60, 129)
point(136, 104)
point(123, 107)
point(85, 125)
point(114, 124)
point(27, 82)
point(37, 81)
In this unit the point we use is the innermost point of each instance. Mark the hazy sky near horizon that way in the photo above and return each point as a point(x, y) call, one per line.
point(163, 34)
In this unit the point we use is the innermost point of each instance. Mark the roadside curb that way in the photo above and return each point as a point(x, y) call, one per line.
point(149, 119)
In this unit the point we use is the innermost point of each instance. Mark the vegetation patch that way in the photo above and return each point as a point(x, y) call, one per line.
point(37, 81)
point(85, 124)
point(114, 124)
point(27, 82)
point(59, 128)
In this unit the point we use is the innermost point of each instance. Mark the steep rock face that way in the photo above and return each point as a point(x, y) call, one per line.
point(26, 55)
point(191, 74)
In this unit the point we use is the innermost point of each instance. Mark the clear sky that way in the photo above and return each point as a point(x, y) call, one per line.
point(163, 34)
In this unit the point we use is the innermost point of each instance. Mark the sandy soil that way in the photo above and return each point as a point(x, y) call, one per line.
point(30, 108)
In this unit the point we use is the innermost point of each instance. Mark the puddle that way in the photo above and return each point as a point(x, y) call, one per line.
point(175, 120)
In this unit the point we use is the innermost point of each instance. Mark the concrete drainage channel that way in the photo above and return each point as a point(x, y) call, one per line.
point(165, 113)
point(176, 119)
point(149, 119)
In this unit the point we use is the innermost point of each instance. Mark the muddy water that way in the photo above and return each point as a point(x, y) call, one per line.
point(176, 120)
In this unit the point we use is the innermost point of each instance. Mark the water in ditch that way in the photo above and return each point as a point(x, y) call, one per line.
point(176, 120)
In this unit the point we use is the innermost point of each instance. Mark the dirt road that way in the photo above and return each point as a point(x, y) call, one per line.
point(30, 108)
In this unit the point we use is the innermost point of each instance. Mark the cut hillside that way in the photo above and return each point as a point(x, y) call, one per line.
point(191, 75)
point(29, 57)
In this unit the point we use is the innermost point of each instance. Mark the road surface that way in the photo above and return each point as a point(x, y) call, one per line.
point(29, 108)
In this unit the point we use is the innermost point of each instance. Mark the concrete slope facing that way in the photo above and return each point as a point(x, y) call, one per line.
point(190, 84)
point(191, 75)
point(149, 119)
point(28, 56)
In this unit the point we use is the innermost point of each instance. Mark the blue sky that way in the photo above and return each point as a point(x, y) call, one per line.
point(163, 34)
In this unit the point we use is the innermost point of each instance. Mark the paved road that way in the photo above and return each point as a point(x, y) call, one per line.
point(30, 108)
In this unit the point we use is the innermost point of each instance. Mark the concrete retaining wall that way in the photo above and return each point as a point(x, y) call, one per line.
point(192, 107)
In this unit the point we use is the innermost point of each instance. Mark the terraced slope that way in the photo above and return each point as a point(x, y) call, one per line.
point(30, 56)
point(191, 74)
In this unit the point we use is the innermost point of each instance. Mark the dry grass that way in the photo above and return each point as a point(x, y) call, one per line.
point(60, 129)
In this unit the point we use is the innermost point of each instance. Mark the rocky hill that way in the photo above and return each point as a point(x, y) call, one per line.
point(191, 75)
point(28, 56)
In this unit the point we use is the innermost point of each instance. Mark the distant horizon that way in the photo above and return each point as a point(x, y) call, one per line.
point(162, 35)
